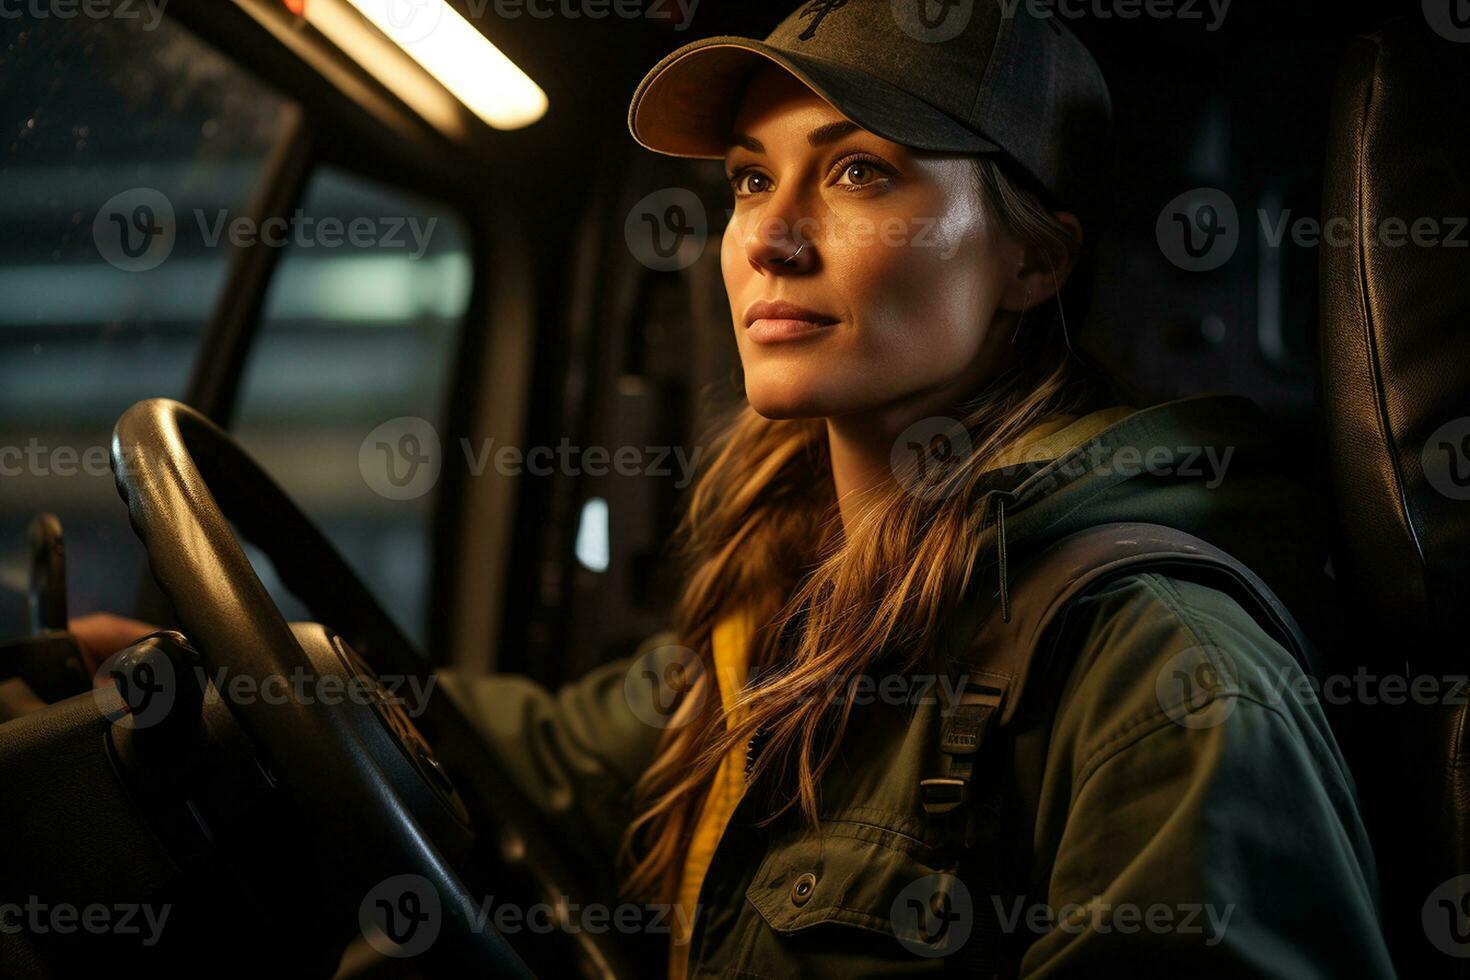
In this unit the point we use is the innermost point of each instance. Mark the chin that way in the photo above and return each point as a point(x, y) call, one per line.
point(781, 411)
point(789, 398)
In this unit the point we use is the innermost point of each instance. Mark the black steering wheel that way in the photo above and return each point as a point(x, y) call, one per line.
point(360, 770)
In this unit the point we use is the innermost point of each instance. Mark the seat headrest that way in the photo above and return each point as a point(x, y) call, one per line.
point(1395, 332)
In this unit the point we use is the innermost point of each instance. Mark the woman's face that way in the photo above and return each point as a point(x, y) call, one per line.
point(899, 283)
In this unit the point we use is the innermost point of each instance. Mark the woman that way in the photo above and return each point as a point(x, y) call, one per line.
point(850, 510)
point(912, 202)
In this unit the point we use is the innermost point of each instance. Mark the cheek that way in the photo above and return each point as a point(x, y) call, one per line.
point(929, 300)
point(735, 268)
point(737, 273)
point(727, 257)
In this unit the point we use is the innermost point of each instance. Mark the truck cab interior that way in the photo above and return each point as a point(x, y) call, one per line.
point(306, 450)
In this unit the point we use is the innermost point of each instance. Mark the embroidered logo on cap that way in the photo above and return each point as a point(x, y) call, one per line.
point(821, 8)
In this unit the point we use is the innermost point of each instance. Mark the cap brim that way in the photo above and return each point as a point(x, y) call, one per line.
point(686, 105)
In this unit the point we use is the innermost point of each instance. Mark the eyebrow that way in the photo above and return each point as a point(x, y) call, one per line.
point(824, 134)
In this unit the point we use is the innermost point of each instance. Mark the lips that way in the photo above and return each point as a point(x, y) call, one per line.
point(782, 310)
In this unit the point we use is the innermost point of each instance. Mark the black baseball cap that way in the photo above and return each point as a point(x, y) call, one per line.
point(983, 77)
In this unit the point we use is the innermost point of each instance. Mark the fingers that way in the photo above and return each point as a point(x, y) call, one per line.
point(101, 634)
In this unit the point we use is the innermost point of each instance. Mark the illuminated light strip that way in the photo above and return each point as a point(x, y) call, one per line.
point(461, 58)
point(355, 36)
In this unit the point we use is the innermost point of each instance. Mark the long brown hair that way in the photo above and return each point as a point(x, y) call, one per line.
point(762, 533)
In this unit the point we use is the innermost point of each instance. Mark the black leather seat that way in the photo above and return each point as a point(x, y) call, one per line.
point(1394, 392)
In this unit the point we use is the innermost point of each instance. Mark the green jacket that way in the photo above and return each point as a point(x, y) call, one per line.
point(1163, 831)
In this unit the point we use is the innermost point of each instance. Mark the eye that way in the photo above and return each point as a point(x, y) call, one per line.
point(748, 181)
point(856, 171)
point(860, 171)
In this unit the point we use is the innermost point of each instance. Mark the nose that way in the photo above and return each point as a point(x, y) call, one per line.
point(778, 245)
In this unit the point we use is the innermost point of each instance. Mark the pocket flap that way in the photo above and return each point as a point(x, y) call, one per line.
point(848, 873)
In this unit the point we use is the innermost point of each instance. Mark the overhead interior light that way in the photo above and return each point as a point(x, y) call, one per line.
point(462, 59)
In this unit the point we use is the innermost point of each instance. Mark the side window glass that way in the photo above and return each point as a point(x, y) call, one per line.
point(349, 377)
point(122, 139)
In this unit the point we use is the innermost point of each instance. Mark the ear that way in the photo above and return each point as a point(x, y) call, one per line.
point(1037, 279)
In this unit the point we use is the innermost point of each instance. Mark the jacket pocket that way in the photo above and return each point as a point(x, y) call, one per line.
point(849, 901)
